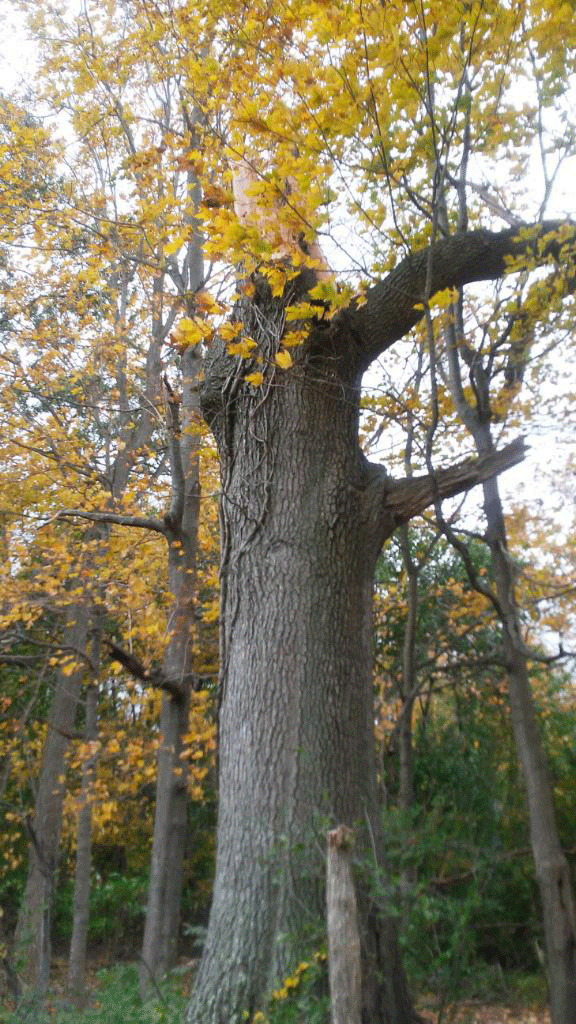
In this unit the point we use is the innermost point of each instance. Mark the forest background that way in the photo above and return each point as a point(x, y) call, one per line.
point(118, 166)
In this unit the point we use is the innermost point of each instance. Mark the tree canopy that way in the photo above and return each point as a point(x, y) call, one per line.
point(234, 211)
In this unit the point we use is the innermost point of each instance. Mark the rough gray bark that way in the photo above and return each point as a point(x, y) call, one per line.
point(304, 516)
point(299, 547)
point(343, 932)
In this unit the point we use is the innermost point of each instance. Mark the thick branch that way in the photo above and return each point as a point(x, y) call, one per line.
point(389, 312)
point(21, 660)
point(403, 499)
point(111, 517)
point(176, 688)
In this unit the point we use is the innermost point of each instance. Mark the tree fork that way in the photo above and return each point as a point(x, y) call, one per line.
point(304, 516)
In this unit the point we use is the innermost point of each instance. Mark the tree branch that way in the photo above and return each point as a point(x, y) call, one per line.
point(403, 499)
point(172, 407)
point(111, 517)
point(176, 688)
point(21, 660)
point(389, 311)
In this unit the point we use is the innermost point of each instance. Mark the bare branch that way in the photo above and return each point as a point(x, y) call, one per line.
point(176, 688)
point(112, 517)
point(407, 498)
point(22, 660)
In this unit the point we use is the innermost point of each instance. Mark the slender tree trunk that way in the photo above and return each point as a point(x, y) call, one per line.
point(80, 919)
point(408, 874)
point(552, 869)
point(32, 940)
point(406, 759)
point(343, 934)
point(32, 933)
point(166, 863)
point(162, 926)
point(177, 834)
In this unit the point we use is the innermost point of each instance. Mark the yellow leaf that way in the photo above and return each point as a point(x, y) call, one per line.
point(284, 359)
point(173, 246)
point(229, 331)
point(185, 325)
point(302, 311)
point(445, 298)
point(255, 379)
point(293, 338)
point(206, 303)
point(190, 332)
point(242, 348)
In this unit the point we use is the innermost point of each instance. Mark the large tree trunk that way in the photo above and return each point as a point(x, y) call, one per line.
point(552, 869)
point(32, 939)
point(304, 516)
point(300, 542)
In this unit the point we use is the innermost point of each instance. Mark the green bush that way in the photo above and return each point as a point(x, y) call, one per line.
point(116, 1001)
point(117, 911)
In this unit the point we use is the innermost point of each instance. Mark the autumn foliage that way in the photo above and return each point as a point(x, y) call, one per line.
point(202, 207)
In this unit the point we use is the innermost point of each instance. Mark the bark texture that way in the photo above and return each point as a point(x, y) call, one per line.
point(298, 547)
point(303, 518)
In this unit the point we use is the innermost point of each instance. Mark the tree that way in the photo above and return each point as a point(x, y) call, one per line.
point(492, 362)
point(339, 136)
point(99, 249)
point(341, 101)
point(552, 869)
point(304, 515)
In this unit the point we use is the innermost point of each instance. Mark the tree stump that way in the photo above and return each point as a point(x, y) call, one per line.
point(343, 931)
